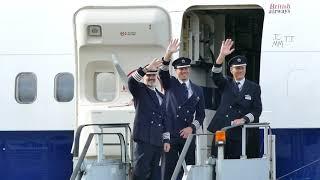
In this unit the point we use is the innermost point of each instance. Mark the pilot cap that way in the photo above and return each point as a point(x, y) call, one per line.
point(181, 62)
point(238, 61)
point(151, 71)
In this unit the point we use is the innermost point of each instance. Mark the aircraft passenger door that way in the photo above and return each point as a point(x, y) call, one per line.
point(110, 43)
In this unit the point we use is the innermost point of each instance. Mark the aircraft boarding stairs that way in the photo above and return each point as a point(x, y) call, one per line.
point(231, 169)
point(213, 169)
point(102, 168)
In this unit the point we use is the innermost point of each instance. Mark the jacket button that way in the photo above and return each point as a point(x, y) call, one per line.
point(187, 111)
point(227, 115)
point(179, 107)
point(152, 112)
point(185, 119)
point(159, 116)
point(159, 125)
point(151, 122)
point(177, 115)
point(230, 107)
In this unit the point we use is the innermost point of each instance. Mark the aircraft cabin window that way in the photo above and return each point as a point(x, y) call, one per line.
point(105, 86)
point(26, 88)
point(64, 87)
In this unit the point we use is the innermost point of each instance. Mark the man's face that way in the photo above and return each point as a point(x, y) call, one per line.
point(150, 80)
point(238, 72)
point(183, 73)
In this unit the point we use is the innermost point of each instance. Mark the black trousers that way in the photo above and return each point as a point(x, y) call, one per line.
point(173, 155)
point(146, 162)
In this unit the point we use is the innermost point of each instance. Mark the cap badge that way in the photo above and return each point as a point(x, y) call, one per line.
point(239, 60)
point(183, 61)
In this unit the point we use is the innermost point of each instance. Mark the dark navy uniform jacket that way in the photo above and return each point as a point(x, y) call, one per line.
point(182, 113)
point(234, 104)
point(150, 122)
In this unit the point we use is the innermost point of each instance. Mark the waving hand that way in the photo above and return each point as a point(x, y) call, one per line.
point(173, 47)
point(226, 49)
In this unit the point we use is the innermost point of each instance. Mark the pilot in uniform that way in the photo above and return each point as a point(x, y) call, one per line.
point(185, 110)
point(240, 103)
point(149, 130)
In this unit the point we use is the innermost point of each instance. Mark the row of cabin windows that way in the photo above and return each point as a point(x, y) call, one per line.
point(26, 87)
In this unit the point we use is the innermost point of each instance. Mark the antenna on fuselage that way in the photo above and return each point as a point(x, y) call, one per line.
point(122, 74)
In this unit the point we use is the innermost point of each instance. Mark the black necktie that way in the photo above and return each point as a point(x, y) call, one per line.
point(238, 84)
point(158, 97)
point(154, 95)
point(185, 91)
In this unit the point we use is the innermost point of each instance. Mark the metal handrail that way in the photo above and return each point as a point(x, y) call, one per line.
point(75, 151)
point(86, 147)
point(183, 154)
point(231, 127)
point(190, 138)
point(123, 142)
point(266, 127)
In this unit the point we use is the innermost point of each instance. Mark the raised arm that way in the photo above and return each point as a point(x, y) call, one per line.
point(136, 77)
point(134, 81)
point(172, 48)
point(164, 74)
point(226, 49)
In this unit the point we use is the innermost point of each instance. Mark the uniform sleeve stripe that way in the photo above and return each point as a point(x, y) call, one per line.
point(250, 116)
point(137, 76)
point(166, 135)
point(164, 68)
point(216, 69)
point(196, 124)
